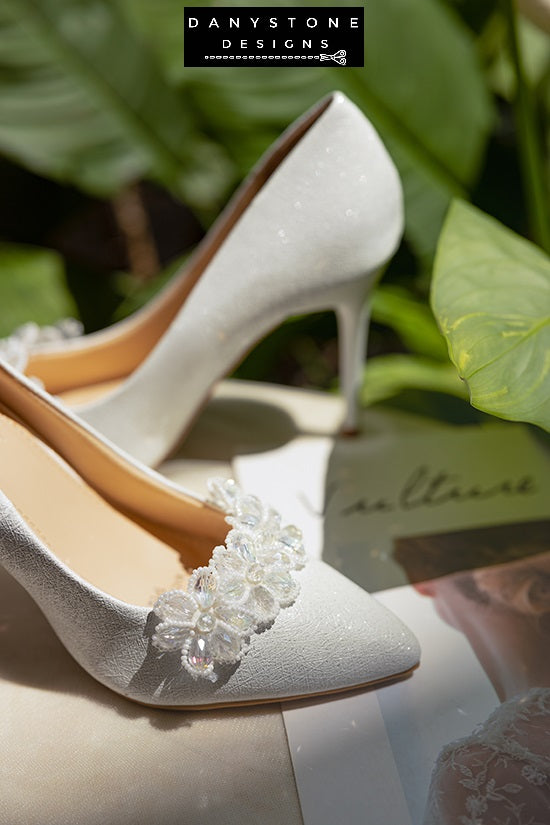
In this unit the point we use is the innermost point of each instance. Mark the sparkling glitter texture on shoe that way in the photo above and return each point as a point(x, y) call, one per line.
point(247, 581)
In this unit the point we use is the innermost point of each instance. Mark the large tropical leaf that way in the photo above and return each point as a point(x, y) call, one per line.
point(84, 101)
point(387, 375)
point(421, 86)
point(424, 91)
point(491, 297)
point(411, 319)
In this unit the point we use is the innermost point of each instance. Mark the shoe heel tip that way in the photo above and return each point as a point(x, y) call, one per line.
point(350, 432)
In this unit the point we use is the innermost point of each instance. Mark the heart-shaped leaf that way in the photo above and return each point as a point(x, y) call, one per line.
point(491, 298)
point(84, 101)
point(388, 375)
point(411, 319)
point(421, 86)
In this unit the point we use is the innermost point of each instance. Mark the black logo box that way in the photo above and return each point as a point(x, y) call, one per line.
point(281, 36)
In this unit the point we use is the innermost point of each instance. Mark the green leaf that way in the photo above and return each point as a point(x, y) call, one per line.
point(491, 297)
point(84, 101)
point(388, 375)
point(411, 319)
point(32, 288)
point(425, 93)
point(535, 50)
point(136, 295)
point(421, 86)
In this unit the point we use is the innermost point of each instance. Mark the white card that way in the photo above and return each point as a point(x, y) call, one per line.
point(368, 758)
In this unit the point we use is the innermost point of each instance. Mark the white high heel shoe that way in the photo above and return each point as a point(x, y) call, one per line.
point(253, 622)
point(309, 230)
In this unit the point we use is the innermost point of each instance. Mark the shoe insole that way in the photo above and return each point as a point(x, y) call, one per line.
point(90, 536)
point(167, 511)
point(85, 395)
point(116, 352)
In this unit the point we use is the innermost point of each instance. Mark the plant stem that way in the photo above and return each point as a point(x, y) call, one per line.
point(133, 221)
point(531, 156)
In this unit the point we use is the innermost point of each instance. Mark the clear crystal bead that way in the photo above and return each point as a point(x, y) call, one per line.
point(249, 511)
point(242, 545)
point(205, 587)
point(275, 554)
point(291, 536)
point(175, 606)
point(16, 349)
point(254, 574)
point(271, 526)
point(228, 563)
point(243, 587)
point(200, 655)
point(262, 604)
point(206, 622)
point(170, 637)
point(14, 352)
point(280, 583)
point(233, 589)
point(69, 328)
point(237, 617)
point(225, 644)
point(223, 492)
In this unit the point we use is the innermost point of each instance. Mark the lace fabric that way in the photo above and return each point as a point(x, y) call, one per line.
point(500, 774)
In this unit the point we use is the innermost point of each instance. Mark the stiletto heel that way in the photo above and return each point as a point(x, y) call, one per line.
point(322, 208)
point(353, 316)
point(155, 596)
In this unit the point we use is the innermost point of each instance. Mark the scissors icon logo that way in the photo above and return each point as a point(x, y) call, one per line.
point(338, 57)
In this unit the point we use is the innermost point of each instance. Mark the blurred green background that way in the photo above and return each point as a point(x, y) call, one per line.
point(116, 159)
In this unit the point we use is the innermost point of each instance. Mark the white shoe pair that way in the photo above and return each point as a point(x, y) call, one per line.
point(106, 546)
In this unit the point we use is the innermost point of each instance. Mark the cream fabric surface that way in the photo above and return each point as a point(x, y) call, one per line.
point(74, 753)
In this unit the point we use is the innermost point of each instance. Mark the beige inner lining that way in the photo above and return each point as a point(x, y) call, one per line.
point(96, 541)
point(116, 352)
point(89, 393)
point(182, 521)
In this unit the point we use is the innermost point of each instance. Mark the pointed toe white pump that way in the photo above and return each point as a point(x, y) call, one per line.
point(156, 596)
point(308, 230)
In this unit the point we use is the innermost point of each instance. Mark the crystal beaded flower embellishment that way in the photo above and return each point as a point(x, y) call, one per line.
point(246, 583)
point(15, 349)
